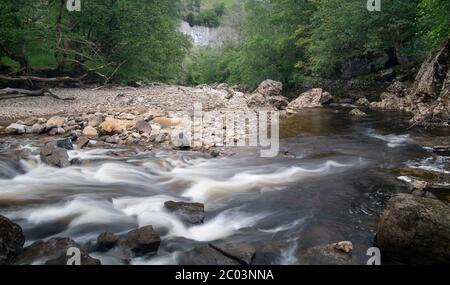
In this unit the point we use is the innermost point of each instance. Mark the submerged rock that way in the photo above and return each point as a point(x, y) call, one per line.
point(357, 113)
point(241, 252)
point(331, 254)
point(442, 150)
point(11, 240)
point(206, 255)
point(193, 213)
point(415, 230)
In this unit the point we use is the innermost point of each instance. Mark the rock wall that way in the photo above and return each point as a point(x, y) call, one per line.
point(207, 37)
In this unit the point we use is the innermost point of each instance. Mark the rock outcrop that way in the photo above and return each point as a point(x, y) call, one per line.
point(268, 94)
point(313, 98)
point(415, 230)
point(11, 240)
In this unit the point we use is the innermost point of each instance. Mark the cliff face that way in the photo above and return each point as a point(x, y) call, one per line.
point(430, 94)
point(428, 100)
point(208, 37)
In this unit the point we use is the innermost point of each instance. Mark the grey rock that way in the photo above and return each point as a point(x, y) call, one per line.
point(193, 213)
point(11, 240)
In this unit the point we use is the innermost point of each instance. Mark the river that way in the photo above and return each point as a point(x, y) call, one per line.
point(329, 184)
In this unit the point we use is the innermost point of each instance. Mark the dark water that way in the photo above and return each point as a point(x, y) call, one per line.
point(329, 184)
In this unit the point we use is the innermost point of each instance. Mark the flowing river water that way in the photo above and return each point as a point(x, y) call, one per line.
point(329, 184)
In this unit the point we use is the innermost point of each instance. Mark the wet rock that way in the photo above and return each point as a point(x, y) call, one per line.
point(442, 150)
point(63, 259)
point(55, 122)
point(362, 102)
point(54, 155)
point(43, 251)
point(143, 241)
point(112, 139)
point(357, 113)
point(310, 99)
point(11, 240)
point(82, 142)
point(142, 126)
point(193, 213)
point(332, 254)
point(241, 252)
point(206, 255)
point(415, 230)
point(269, 88)
point(65, 143)
point(391, 101)
point(16, 129)
point(90, 132)
point(106, 241)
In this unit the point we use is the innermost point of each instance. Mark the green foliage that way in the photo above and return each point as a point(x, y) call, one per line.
point(139, 38)
point(197, 16)
point(433, 22)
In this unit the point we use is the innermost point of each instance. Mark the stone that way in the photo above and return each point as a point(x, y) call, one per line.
point(241, 252)
point(54, 155)
point(115, 126)
point(143, 241)
point(310, 99)
point(206, 255)
point(45, 250)
point(269, 88)
point(344, 246)
point(415, 230)
point(65, 143)
point(279, 102)
point(357, 113)
point(107, 241)
point(95, 121)
point(90, 132)
point(331, 254)
point(63, 259)
point(38, 128)
point(362, 102)
point(112, 139)
point(55, 122)
point(16, 129)
point(142, 126)
point(11, 240)
point(83, 141)
point(30, 121)
point(192, 213)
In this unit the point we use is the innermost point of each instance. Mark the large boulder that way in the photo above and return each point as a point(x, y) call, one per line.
point(192, 213)
point(54, 155)
point(11, 240)
point(269, 88)
point(310, 99)
point(143, 241)
point(415, 230)
point(106, 241)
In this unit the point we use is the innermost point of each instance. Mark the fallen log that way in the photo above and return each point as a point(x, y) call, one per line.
point(25, 92)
